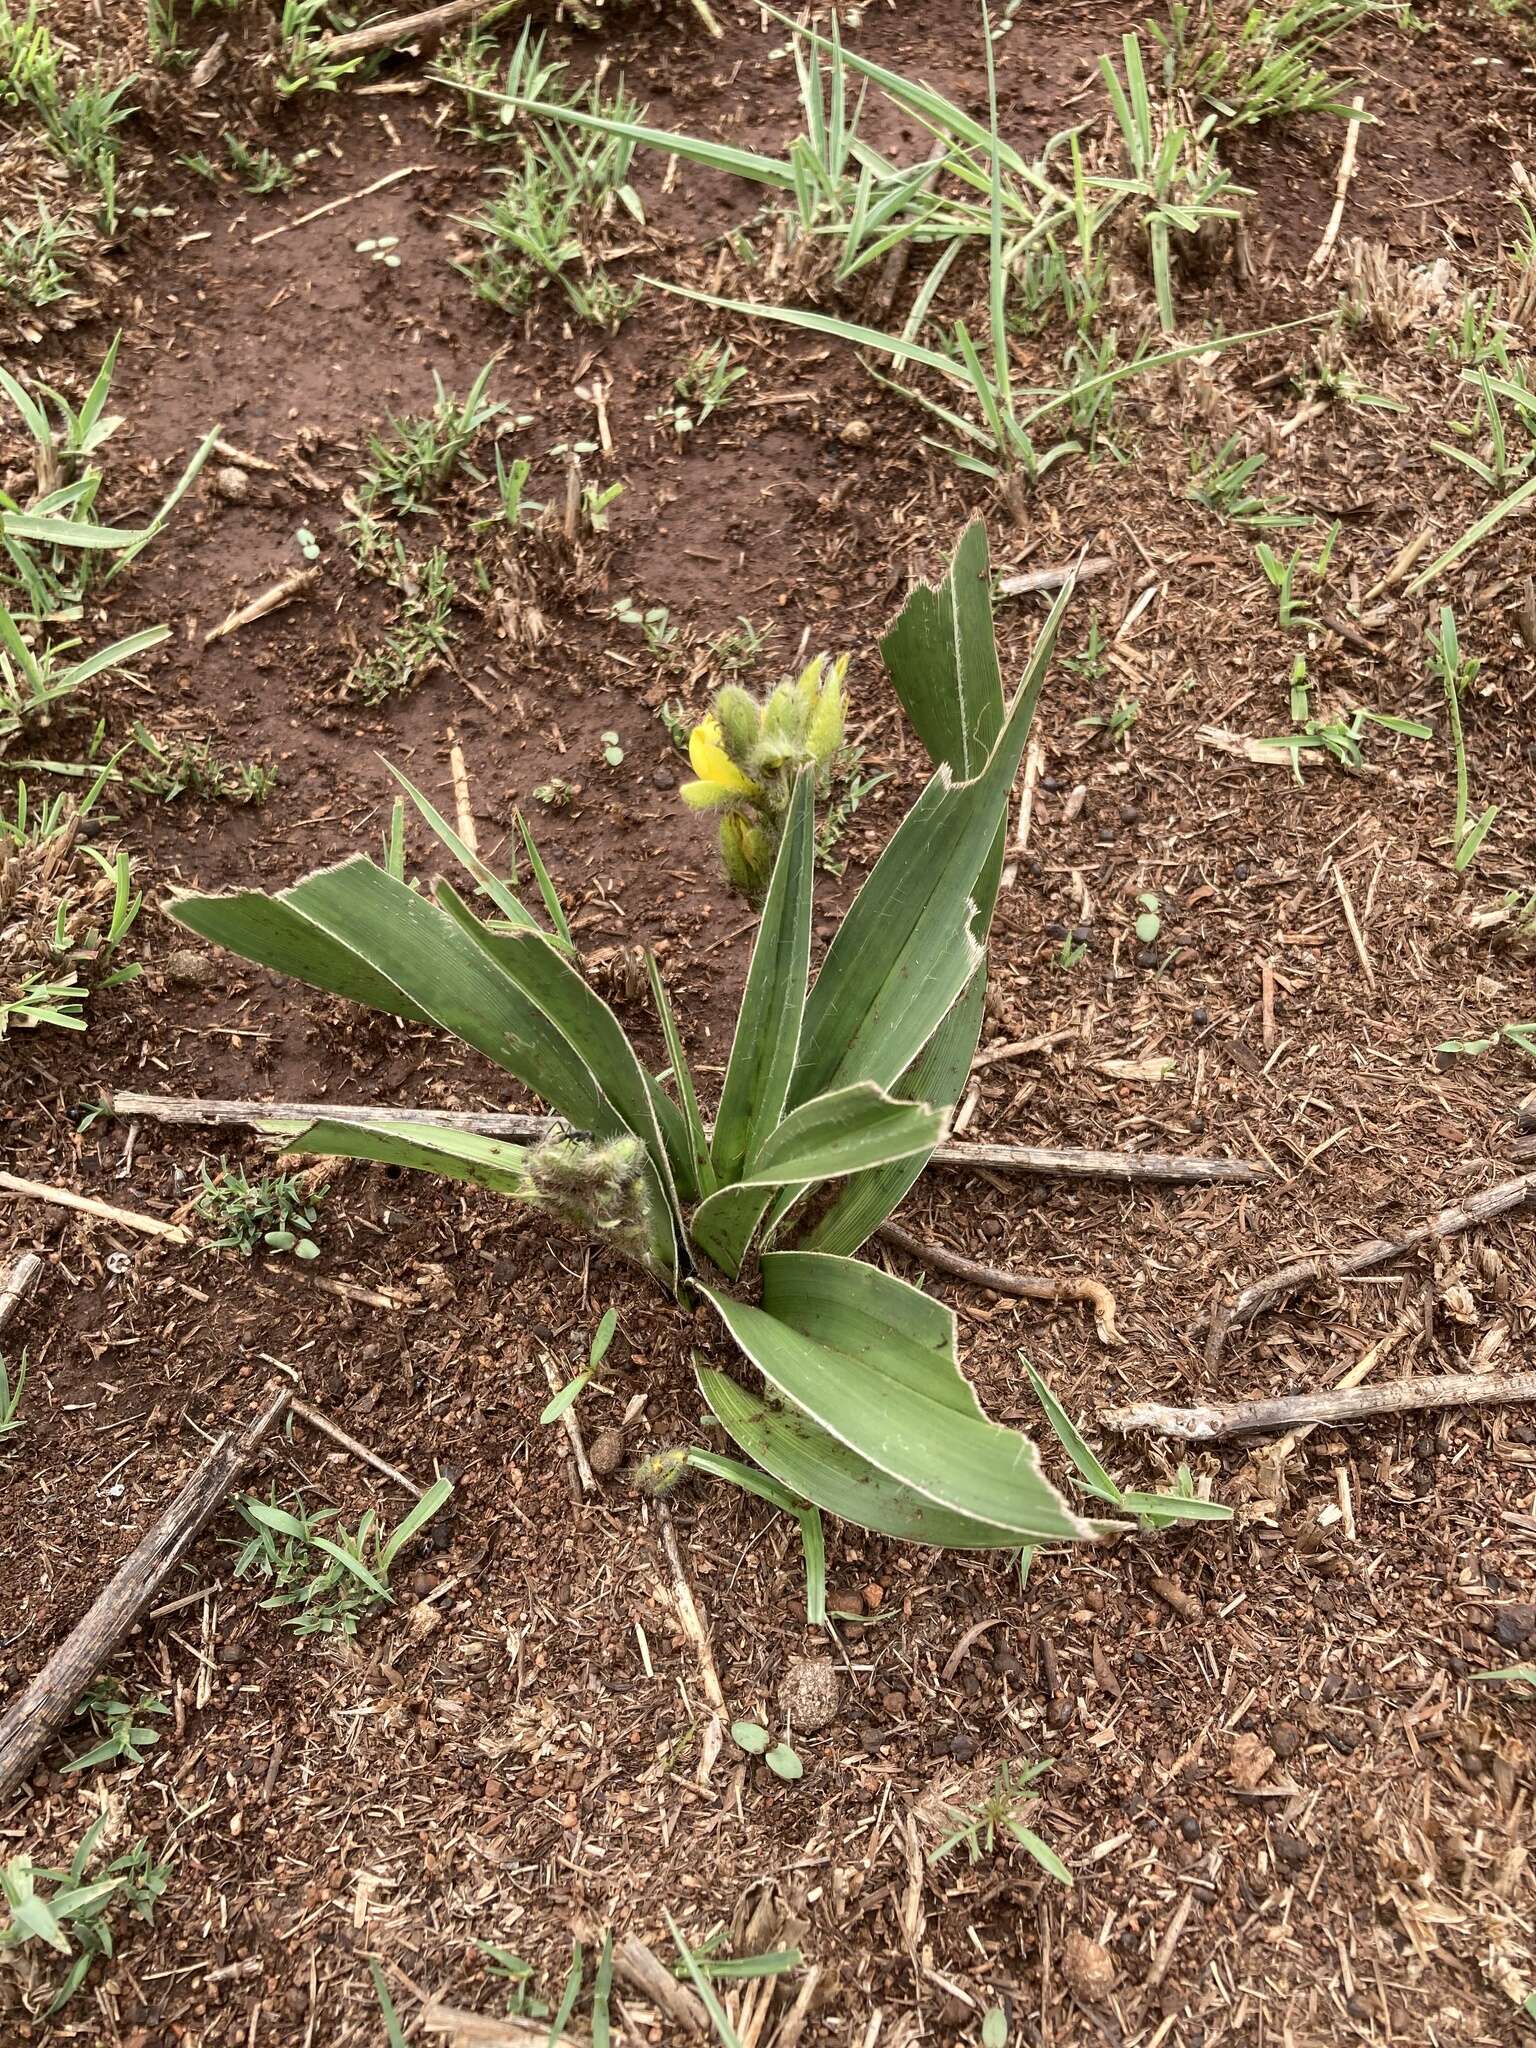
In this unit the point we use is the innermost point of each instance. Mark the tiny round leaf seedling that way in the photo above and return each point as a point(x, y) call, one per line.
point(784, 1763)
point(749, 1736)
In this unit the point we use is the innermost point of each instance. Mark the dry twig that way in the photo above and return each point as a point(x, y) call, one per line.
point(1329, 1405)
point(1065, 1162)
point(1322, 255)
point(47, 1703)
point(15, 1282)
point(1380, 1251)
point(65, 1198)
point(1002, 1280)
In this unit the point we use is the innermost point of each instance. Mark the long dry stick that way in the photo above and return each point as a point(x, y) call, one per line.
point(1260, 1294)
point(47, 1703)
point(1332, 1404)
point(401, 28)
point(462, 2029)
point(1003, 1280)
point(352, 1445)
point(1322, 255)
point(1066, 1162)
point(694, 1628)
point(335, 205)
point(65, 1198)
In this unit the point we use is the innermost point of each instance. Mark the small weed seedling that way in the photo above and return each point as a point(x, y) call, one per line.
point(1457, 673)
point(1220, 483)
point(1285, 577)
point(778, 1756)
point(276, 1211)
point(1116, 724)
point(175, 769)
point(654, 623)
point(735, 651)
point(123, 1733)
point(329, 1582)
point(68, 1911)
point(1522, 1036)
point(1340, 736)
point(1151, 1510)
point(39, 257)
point(554, 795)
point(977, 1828)
point(422, 637)
point(412, 463)
point(10, 1394)
point(1496, 468)
point(701, 387)
point(304, 63)
point(602, 1337)
point(1149, 919)
point(68, 910)
point(613, 751)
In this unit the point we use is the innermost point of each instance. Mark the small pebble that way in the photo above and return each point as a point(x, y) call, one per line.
point(809, 1693)
point(664, 778)
point(607, 1452)
point(1201, 1018)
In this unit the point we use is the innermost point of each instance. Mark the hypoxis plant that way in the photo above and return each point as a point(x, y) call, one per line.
point(835, 1094)
point(749, 756)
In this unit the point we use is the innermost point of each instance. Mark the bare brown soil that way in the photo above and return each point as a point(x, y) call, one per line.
point(1292, 1815)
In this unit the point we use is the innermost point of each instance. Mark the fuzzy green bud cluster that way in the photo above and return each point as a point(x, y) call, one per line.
point(600, 1186)
point(747, 756)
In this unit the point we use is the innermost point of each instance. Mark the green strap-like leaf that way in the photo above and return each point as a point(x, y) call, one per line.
point(437, 964)
point(848, 1131)
point(941, 656)
point(905, 950)
point(699, 1176)
point(773, 1002)
point(802, 1456)
point(456, 1154)
point(487, 878)
point(725, 1224)
point(938, 1074)
point(873, 1362)
point(270, 931)
point(577, 1012)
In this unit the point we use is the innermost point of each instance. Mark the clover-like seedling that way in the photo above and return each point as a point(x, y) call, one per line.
point(778, 1756)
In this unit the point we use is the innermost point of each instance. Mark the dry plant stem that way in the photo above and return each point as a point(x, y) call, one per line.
point(352, 1446)
point(693, 1626)
point(478, 2030)
point(64, 1198)
point(634, 1964)
point(1028, 581)
point(1322, 255)
point(1067, 1162)
point(335, 205)
point(464, 813)
point(244, 459)
point(16, 1282)
point(1260, 1294)
point(572, 1430)
point(401, 28)
point(1028, 1286)
point(1400, 564)
point(1356, 936)
point(277, 594)
point(50, 1699)
point(1332, 1405)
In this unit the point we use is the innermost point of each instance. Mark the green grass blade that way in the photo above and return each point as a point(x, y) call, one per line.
point(1478, 531)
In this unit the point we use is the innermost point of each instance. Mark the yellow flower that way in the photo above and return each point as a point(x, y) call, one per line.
point(719, 777)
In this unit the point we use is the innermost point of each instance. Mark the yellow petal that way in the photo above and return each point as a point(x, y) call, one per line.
point(711, 763)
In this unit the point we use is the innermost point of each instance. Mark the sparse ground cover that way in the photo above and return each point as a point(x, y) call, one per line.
point(527, 410)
